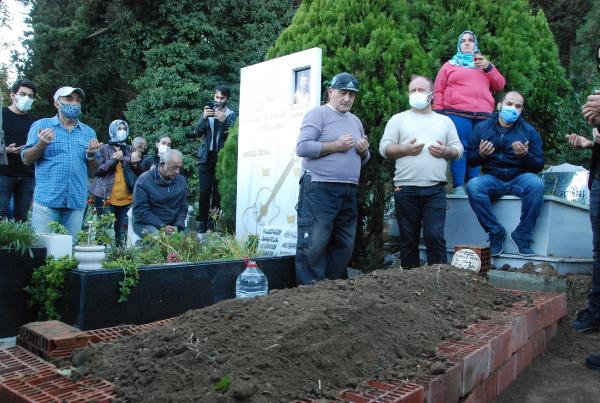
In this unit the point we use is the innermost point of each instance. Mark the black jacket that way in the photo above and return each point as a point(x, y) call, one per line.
point(158, 203)
point(503, 163)
point(207, 128)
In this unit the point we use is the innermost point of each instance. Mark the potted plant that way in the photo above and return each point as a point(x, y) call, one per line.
point(20, 254)
point(91, 243)
point(58, 242)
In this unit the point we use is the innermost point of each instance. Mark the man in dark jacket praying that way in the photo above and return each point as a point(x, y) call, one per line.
point(510, 153)
point(160, 197)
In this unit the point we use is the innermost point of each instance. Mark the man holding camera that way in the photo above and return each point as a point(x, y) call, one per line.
point(213, 127)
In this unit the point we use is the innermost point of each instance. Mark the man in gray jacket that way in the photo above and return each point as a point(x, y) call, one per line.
point(160, 197)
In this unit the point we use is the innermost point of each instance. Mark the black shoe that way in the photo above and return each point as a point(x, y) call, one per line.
point(586, 322)
point(523, 245)
point(497, 243)
point(593, 362)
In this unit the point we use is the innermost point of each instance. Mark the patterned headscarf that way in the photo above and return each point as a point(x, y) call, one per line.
point(112, 131)
point(465, 59)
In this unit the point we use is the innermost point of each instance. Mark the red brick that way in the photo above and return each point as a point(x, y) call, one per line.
point(453, 383)
point(477, 395)
point(519, 337)
point(507, 374)
point(524, 357)
point(434, 388)
point(448, 348)
point(406, 393)
point(491, 387)
point(16, 362)
point(500, 346)
point(49, 386)
point(544, 307)
point(51, 339)
point(110, 333)
point(538, 343)
point(559, 307)
point(551, 331)
point(531, 313)
point(476, 364)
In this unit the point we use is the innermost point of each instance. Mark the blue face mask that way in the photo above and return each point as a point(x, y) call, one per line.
point(509, 114)
point(70, 111)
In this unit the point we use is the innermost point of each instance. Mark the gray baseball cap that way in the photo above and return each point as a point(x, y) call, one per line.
point(344, 81)
point(66, 91)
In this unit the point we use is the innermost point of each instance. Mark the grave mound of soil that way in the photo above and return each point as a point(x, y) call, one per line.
point(280, 347)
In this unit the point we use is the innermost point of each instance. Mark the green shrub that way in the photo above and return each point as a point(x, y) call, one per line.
point(384, 42)
point(46, 285)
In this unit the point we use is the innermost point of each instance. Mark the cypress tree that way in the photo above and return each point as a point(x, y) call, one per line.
point(384, 42)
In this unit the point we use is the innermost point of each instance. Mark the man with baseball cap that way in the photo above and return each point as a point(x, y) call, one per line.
point(334, 147)
point(64, 152)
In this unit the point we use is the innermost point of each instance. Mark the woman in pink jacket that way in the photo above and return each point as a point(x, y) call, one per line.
point(463, 91)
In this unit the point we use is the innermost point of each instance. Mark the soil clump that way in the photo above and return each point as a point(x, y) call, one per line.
point(308, 341)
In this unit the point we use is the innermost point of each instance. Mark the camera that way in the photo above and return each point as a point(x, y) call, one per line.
point(215, 105)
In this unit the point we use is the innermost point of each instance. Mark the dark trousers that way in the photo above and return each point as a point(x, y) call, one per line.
point(416, 205)
point(209, 197)
point(21, 189)
point(594, 296)
point(327, 215)
point(120, 213)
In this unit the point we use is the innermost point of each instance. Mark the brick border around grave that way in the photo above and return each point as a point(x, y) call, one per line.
point(489, 358)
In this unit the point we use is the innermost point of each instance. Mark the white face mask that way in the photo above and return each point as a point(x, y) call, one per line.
point(24, 103)
point(162, 148)
point(419, 100)
point(121, 136)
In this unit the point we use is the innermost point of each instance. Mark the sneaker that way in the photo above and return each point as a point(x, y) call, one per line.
point(523, 245)
point(593, 362)
point(459, 190)
point(202, 237)
point(586, 322)
point(497, 243)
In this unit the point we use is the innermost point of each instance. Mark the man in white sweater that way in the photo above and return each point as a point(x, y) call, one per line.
point(421, 141)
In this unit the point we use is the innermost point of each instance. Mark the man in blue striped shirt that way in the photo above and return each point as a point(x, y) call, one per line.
point(64, 152)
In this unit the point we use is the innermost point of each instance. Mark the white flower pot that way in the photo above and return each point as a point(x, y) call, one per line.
point(57, 245)
point(89, 257)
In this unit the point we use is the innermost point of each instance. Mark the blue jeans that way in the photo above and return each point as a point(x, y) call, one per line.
point(327, 214)
point(486, 189)
point(120, 213)
point(21, 189)
point(70, 218)
point(461, 173)
point(594, 296)
point(416, 205)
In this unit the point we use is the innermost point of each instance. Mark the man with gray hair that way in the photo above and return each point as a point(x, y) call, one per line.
point(421, 142)
point(160, 197)
point(139, 146)
point(333, 147)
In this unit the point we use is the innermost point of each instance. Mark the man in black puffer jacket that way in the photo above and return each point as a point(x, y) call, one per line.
point(510, 152)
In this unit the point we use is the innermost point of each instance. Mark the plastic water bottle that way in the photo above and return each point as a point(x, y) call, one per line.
point(251, 282)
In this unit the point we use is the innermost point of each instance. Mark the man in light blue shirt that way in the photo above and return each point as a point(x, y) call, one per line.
point(64, 152)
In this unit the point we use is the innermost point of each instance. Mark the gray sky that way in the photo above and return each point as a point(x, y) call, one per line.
point(13, 34)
